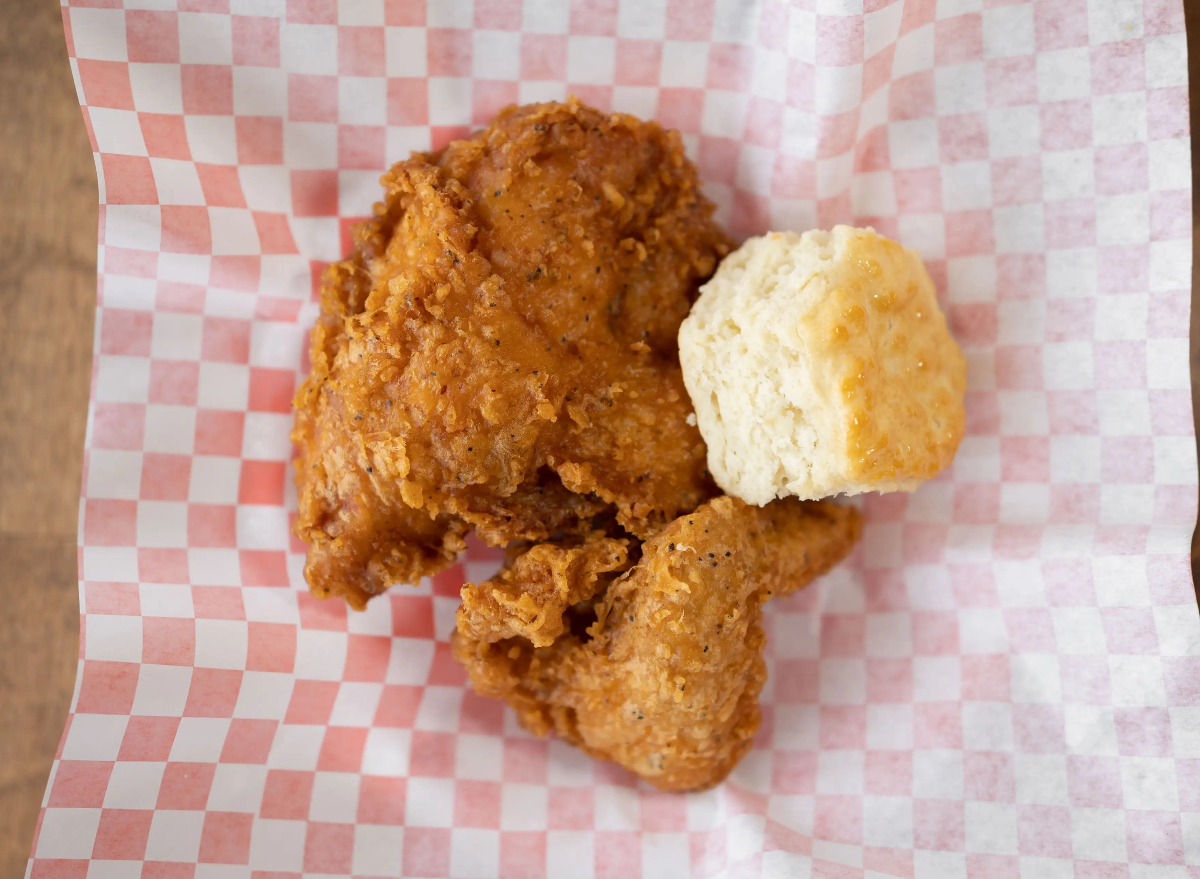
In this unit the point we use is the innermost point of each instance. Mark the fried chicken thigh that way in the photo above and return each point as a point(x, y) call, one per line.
point(665, 679)
point(499, 351)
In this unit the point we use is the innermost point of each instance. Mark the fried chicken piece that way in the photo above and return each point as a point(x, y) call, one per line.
point(499, 351)
point(530, 595)
point(405, 542)
point(666, 680)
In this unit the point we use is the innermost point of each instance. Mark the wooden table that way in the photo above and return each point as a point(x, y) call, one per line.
point(48, 278)
point(48, 284)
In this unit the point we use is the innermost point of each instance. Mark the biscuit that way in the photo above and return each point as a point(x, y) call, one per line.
point(820, 364)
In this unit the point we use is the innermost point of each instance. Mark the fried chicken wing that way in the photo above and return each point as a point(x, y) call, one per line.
point(666, 680)
point(499, 351)
point(530, 595)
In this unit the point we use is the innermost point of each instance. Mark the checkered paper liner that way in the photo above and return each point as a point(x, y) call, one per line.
point(1003, 681)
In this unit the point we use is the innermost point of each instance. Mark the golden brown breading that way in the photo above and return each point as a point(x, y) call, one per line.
point(405, 542)
point(529, 596)
point(499, 352)
point(666, 680)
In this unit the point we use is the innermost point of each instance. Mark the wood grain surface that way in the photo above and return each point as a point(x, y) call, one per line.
point(48, 282)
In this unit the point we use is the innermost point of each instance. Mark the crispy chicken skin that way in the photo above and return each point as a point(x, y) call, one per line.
point(529, 596)
point(666, 679)
point(499, 351)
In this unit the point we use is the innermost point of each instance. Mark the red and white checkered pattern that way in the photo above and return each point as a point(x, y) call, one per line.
point(1004, 681)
